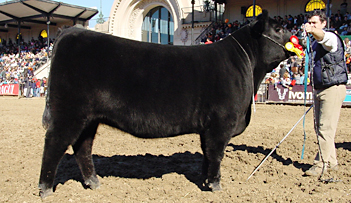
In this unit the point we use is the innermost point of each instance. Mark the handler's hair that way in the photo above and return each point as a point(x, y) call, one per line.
point(320, 13)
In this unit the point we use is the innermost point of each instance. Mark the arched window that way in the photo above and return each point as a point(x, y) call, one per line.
point(249, 11)
point(158, 26)
point(314, 5)
point(43, 34)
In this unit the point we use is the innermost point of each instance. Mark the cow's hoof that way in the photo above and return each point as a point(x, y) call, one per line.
point(92, 183)
point(45, 193)
point(215, 187)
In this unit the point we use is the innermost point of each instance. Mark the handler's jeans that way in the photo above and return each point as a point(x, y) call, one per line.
point(327, 106)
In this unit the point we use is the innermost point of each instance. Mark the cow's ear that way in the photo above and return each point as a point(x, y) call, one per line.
point(263, 16)
point(258, 26)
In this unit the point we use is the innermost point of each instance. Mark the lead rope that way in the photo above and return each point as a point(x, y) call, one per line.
point(248, 58)
point(266, 36)
point(307, 61)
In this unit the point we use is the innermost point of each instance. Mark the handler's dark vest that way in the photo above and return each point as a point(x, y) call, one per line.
point(329, 68)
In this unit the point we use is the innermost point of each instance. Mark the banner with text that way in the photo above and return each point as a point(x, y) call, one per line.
point(11, 89)
point(296, 94)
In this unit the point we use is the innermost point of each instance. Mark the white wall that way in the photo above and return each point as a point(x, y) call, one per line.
point(126, 17)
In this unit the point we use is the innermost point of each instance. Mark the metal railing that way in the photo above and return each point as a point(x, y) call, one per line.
point(262, 93)
point(203, 34)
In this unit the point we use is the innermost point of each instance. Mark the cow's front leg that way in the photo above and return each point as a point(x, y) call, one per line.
point(82, 152)
point(213, 146)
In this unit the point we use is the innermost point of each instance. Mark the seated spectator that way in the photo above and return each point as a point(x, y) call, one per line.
point(271, 79)
point(337, 22)
point(217, 38)
point(344, 31)
point(208, 41)
point(302, 79)
point(347, 43)
point(297, 79)
point(286, 81)
point(294, 30)
point(282, 71)
point(229, 29)
point(332, 28)
point(343, 26)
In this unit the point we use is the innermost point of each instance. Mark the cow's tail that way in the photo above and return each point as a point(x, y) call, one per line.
point(47, 112)
point(46, 115)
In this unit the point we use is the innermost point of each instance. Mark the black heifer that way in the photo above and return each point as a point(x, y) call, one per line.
point(154, 91)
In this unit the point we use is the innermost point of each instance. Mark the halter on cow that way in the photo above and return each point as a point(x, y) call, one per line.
point(176, 90)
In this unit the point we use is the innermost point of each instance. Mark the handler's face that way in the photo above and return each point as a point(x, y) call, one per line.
point(315, 22)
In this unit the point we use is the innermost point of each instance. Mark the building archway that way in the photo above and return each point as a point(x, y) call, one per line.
point(127, 17)
point(158, 26)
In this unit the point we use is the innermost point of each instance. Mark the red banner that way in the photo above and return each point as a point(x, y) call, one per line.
point(11, 89)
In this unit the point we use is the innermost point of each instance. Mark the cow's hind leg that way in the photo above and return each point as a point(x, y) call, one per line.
point(57, 139)
point(54, 149)
point(82, 152)
point(213, 145)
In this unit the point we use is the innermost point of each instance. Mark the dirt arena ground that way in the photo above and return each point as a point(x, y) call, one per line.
point(168, 170)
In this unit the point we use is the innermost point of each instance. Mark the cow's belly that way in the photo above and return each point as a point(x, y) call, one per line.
point(147, 118)
point(151, 125)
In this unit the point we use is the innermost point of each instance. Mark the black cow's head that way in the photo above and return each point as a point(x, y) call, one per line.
point(271, 37)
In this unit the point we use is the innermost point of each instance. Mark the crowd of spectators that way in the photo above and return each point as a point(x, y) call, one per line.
point(18, 68)
point(340, 23)
point(289, 73)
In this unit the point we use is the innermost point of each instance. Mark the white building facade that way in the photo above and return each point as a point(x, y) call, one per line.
point(158, 21)
point(170, 21)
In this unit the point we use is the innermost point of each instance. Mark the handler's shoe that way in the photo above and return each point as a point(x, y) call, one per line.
point(334, 168)
point(315, 171)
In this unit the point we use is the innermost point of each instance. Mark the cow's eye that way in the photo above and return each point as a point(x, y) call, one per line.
point(277, 29)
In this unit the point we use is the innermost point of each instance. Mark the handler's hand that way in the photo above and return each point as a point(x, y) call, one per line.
point(308, 28)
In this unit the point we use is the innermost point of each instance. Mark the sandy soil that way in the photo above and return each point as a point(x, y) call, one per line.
point(168, 170)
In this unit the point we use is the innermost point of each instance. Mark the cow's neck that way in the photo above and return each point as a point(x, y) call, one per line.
point(251, 50)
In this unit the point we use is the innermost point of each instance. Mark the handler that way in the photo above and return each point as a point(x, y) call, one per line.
point(329, 80)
